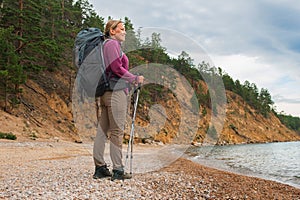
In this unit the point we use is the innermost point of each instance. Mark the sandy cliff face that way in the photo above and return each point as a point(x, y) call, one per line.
point(46, 113)
point(239, 124)
point(245, 125)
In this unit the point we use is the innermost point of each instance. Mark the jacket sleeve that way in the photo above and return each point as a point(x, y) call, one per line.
point(116, 61)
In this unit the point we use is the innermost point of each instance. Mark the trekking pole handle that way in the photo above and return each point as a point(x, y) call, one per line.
point(138, 83)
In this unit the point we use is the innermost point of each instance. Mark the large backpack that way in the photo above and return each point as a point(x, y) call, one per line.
point(88, 58)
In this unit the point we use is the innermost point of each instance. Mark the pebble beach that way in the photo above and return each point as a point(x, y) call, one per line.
point(63, 170)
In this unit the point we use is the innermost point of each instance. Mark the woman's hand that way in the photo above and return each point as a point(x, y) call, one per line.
point(140, 80)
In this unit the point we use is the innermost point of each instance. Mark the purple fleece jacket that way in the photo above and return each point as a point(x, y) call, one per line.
point(117, 62)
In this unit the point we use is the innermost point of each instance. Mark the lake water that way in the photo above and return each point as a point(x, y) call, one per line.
point(274, 161)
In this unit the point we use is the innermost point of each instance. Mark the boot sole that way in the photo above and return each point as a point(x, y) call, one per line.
point(102, 177)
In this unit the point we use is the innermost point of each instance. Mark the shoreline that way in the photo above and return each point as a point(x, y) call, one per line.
point(232, 162)
point(63, 170)
point(236, 186)
point(247, 174)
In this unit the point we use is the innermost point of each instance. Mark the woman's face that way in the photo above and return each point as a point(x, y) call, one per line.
point(119, 32)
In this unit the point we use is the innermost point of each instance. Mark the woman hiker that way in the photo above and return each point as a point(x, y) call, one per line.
point(113, 104)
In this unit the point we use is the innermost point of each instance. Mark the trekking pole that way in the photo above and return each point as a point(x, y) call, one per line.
point(130, 143)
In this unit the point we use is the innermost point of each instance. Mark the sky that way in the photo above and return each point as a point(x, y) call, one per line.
point(257, 41)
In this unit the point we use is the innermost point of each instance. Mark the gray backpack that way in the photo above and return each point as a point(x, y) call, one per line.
point(88, 58)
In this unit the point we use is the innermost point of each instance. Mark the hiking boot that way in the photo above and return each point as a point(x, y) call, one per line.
point(101, 172)
point(120, 175)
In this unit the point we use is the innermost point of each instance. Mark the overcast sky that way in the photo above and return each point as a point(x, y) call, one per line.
point(256, 40)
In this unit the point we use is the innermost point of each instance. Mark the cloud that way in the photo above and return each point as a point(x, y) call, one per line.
point(255, 40)
point(281, 99)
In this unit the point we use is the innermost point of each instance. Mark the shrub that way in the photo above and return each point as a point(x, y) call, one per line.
point(8, 136)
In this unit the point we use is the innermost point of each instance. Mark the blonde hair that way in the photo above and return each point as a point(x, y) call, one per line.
point(111, 24)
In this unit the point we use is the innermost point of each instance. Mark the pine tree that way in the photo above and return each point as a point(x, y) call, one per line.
point(11, 72)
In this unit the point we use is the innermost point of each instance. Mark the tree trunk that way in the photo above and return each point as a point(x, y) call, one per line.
point(62, 10)
point(5, 95)
point(20, 32)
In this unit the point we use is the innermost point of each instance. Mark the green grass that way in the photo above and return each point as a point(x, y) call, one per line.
point(8, 136)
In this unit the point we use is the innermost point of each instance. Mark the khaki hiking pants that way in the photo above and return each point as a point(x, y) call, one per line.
point(111, 126)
